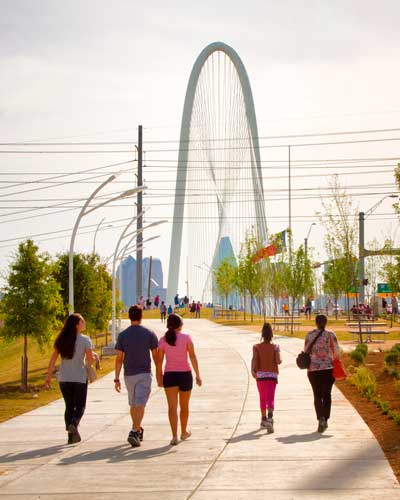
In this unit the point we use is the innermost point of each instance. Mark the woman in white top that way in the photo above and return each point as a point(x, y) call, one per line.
point(75, 349)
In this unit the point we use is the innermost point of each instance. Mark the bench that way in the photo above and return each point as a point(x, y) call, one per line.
point(285, 324)
point(368, 332)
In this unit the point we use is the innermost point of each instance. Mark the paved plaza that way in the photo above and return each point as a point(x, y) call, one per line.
point(228, 455)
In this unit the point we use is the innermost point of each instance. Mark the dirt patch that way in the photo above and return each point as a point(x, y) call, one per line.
point(386, 431)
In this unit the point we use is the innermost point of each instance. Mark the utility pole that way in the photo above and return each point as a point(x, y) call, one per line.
point(361, 255)
point(139, 221)
point(149, 280)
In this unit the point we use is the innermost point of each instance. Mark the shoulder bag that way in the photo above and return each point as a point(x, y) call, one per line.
point(303, 360)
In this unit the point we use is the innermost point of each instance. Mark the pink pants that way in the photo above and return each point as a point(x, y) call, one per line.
point(266, 389)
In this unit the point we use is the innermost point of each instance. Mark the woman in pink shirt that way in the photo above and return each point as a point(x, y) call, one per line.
point(177, 380)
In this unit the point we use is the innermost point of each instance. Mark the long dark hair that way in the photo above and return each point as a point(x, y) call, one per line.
point(65, 341)
point(174, 321)
point(321, 320)
point(266, 332)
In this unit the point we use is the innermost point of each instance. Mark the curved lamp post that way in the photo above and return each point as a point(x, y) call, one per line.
point(117, 253)
point(84, 211)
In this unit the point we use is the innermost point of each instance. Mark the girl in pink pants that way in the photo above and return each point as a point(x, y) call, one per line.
point(264, 368)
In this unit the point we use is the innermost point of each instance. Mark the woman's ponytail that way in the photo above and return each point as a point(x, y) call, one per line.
point(174, 322)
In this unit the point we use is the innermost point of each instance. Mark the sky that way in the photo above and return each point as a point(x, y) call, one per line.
point(94, 70)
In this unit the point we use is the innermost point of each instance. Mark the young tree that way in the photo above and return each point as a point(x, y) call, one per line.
point(341, 240)
point(334, 277)
point(225, 275)
point(299, 277)
point(249, 270)
point(31, 305)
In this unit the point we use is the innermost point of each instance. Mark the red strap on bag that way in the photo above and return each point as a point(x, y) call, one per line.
point(339, 373)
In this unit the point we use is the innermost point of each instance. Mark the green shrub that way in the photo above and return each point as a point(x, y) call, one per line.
point(396, 348)
point(392, 358)
point(357, 356)
point(362, 348)
point(365, 381)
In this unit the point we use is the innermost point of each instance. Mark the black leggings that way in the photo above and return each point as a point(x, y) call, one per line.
point(321, 382)
point(74, 394)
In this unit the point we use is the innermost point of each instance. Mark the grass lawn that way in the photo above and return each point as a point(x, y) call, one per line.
point(13, 402)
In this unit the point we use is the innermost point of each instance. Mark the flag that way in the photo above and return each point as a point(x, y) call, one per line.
point(272, 249)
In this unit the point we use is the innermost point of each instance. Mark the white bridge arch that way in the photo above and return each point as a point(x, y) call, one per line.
point(219, 189)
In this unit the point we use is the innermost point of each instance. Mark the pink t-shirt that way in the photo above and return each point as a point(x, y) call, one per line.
point(176, 355)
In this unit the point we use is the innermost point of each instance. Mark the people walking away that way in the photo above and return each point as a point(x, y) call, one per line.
point(308, 308)
point(192, 309)
point(163, 311)
point(264, 368)
point(198, 309)
point(320, 372)
point(177, 380)
point(169, 310)
point(133, 351)
point(75, 350)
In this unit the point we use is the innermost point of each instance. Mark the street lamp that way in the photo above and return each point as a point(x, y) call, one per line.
point(361, 250)
point(84, 211)
point(95, 233)
point(306, 238)
point(117, 254)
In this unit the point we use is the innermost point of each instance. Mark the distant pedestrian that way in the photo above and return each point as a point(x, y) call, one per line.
point(320, 371)
point(198, 309)
point(75, 350)
point(186, 301)
point(148, 303)
point(177, 380)
point(169, 310)
point(192, 309)
point(264, 368)
point(308, 308)
point(133, 351)
point(156, 301)
point(285, 309)
point(176, 302)
point(163, 311)
point(141, 302)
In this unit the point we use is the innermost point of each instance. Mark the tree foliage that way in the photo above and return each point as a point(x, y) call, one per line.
point(92, 288)
point(32, 305)
point(225, 276)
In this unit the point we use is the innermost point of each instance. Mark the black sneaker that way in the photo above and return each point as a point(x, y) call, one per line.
point(322, 425)
point(141, 434)
point(134, 439)
point(270, 425)
point(75, 436)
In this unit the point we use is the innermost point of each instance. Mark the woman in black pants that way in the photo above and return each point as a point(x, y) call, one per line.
point(320, 371)
point(75, 349)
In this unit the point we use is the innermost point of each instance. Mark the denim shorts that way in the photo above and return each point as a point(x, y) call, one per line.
point(183, 380)
point(139, 388)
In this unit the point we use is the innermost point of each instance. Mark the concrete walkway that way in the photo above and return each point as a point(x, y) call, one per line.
point(228, 456)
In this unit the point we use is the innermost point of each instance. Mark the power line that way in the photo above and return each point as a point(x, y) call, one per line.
point(167, 141)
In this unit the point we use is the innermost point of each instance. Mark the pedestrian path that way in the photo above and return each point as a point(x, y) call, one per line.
point(228, 455)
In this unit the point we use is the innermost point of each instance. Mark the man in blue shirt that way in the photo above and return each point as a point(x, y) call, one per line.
point(133, 351)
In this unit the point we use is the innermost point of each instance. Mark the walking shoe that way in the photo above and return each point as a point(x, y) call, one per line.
point(322, 425)
point(263, 422)
point(270, 425)
point(133, 439)
point(69, 438)
point(75, 436)
point(141, 434)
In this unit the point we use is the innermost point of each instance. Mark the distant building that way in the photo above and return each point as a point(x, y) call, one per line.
point(128, 280)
